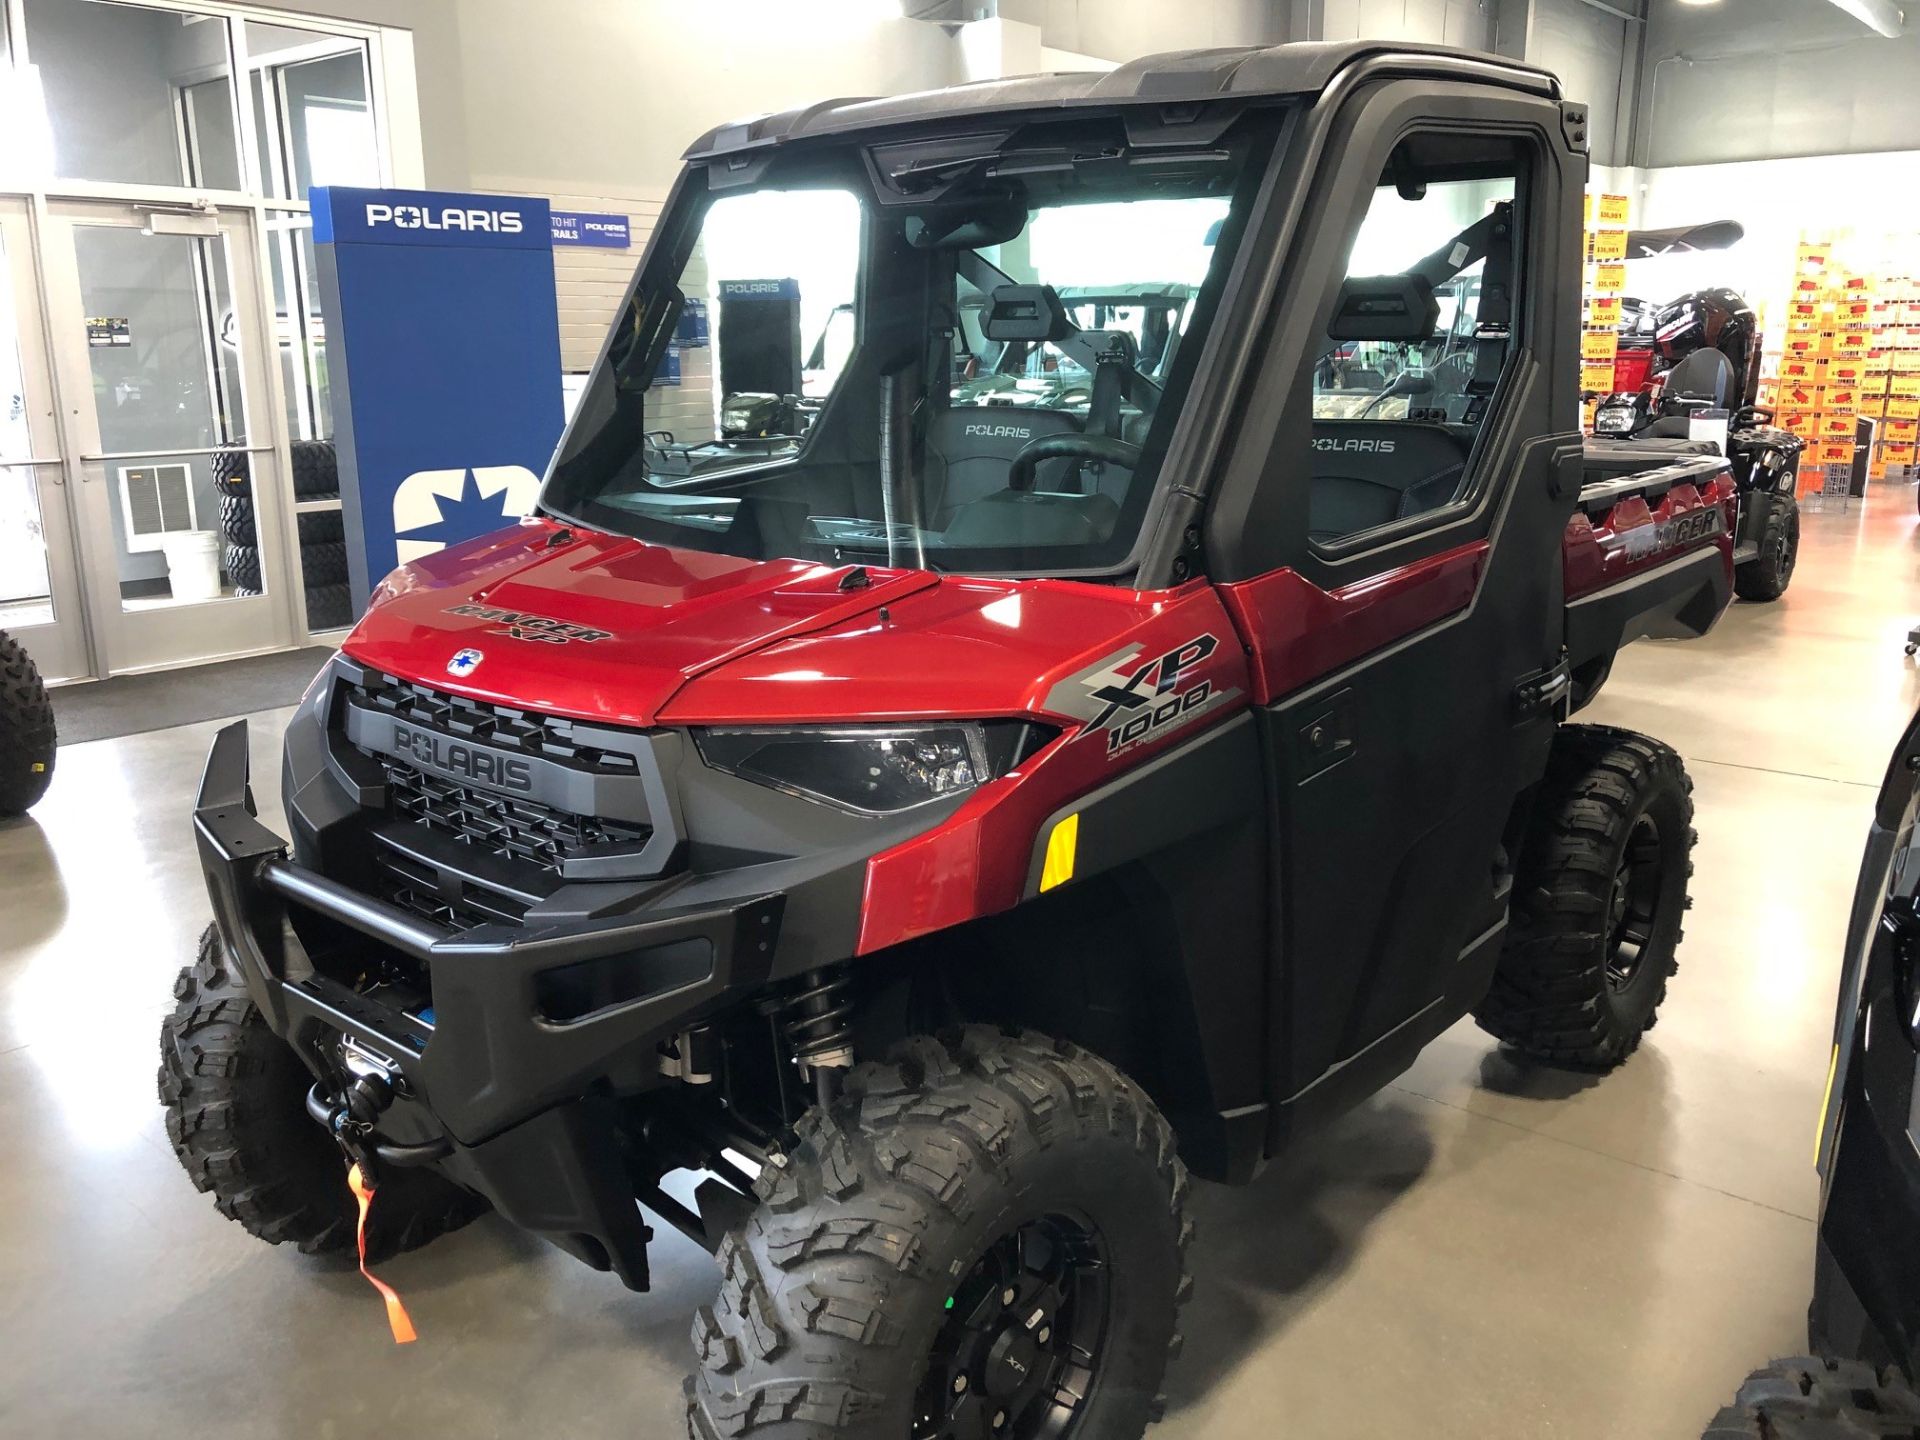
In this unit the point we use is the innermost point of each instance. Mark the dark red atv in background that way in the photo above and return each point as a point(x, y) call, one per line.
point(1701, 352)
point(944, 829)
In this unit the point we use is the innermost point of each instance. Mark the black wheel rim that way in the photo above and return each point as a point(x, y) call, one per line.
point(1018, 1353)
point(1786, 549)
point(1634, 905)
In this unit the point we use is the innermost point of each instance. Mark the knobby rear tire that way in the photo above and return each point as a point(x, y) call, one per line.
point(1551, 995)
point(1811, 1399)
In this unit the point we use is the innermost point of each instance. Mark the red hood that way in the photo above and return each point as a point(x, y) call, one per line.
point(640, 633)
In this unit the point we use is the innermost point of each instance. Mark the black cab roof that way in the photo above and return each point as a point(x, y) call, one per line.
point(1173, 78)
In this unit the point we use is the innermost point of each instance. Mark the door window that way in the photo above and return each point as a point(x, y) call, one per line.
point(1410, 365)
point(112, 77)
point(165, 377)
point(26, 587)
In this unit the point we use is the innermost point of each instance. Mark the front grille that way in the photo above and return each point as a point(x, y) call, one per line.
point(499, 824)
point(549, 736)
point(525, 842)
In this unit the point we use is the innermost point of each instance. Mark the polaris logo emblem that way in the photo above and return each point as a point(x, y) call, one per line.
point(1328, 445)
point(463, 762)
point(447, 217)
point(1000, 432)
point(464, 663)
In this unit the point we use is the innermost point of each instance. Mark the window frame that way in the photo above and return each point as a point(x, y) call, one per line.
point(1473, 488)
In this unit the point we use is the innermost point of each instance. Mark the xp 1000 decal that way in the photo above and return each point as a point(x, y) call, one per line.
point(1134, 695)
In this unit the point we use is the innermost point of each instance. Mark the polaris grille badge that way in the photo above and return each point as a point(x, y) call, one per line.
point(464, 663)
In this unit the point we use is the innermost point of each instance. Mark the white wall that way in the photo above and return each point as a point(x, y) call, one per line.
point(1766, 78)
point(1587, 49)
point(1855, 194)
point(584, 93)
point(1466, 23)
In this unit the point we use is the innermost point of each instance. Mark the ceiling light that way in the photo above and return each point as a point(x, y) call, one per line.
point(1883, 17)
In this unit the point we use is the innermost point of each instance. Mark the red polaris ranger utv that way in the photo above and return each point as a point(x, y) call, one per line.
point(944, 829)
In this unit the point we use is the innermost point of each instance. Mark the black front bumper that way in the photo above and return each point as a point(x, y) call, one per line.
point(519, 1092)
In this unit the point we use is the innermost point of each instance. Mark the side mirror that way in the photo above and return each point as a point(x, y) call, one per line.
point(1385, 307)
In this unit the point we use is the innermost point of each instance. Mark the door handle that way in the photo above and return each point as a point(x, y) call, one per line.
point(1327, 738)
point(32, 462)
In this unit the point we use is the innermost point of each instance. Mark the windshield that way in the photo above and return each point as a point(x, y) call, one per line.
point(946, 353)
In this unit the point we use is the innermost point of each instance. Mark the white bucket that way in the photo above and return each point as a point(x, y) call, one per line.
point(193, 564)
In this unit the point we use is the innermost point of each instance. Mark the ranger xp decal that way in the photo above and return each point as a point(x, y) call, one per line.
point(522, 626)
point(1131, 697)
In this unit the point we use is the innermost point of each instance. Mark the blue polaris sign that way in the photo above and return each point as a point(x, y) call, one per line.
point(610, 232)
point(443, 359)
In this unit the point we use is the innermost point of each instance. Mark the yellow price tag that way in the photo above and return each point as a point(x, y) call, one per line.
point(1599, 345)
point(1609, 245)
point(1610, 277)
point(1596, 378)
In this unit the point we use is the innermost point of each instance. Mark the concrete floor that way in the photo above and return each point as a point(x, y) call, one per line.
point(1484, 1250)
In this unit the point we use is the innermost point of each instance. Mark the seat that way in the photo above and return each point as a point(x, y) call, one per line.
point(970, 448)
point(1368, 473)
point(1704, 380)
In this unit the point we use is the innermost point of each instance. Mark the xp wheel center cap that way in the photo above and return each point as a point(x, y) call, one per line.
point(1011, 1361)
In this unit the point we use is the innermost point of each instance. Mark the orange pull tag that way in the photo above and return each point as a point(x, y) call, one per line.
point(397, 1319)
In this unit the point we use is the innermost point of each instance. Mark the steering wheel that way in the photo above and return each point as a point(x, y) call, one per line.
point(1021, 473)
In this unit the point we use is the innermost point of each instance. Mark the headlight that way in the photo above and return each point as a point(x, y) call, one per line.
point(1612, 422)
point(872, 769)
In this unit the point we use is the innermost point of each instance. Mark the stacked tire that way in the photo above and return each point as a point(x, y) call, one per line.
point(27, 739)
point(241, 558)
point(323, 550)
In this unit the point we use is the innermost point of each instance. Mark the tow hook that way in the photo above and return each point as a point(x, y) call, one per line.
point(351, 1114)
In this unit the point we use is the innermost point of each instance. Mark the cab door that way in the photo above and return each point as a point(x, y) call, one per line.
point(1391, 555)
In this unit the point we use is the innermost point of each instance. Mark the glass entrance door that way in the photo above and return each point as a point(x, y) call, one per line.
point(157, 329)
point(40, 591)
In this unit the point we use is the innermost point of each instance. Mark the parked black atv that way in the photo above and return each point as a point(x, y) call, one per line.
point(1864, 1322)
point(27, 738)
point(1766, 461)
